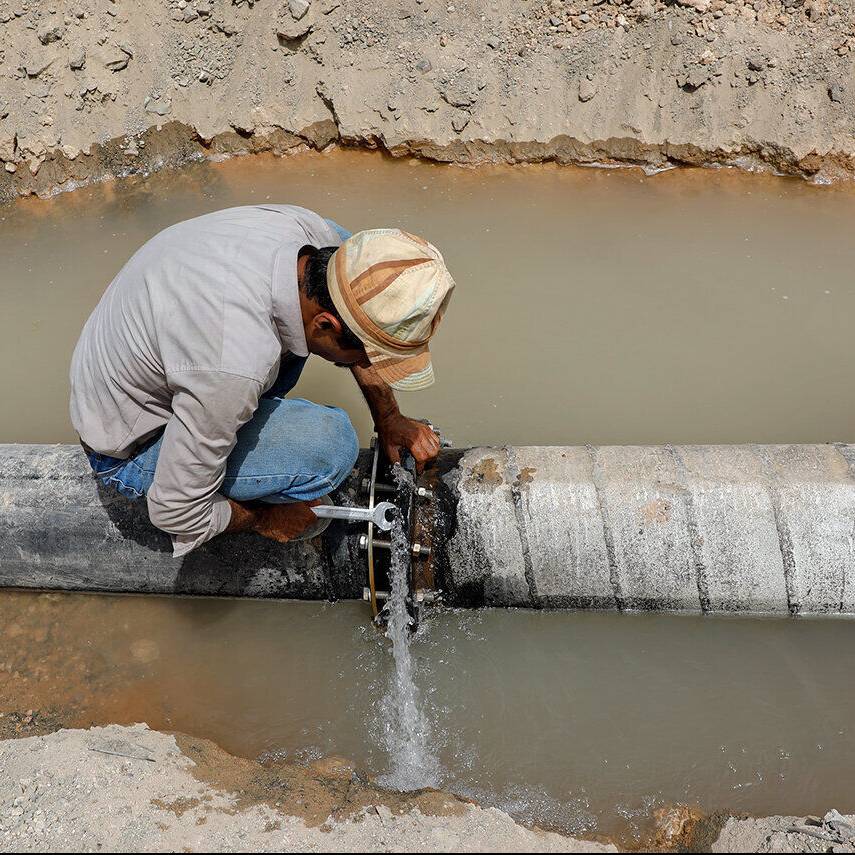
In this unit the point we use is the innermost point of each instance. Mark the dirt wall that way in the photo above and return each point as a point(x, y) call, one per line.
point(96, 88)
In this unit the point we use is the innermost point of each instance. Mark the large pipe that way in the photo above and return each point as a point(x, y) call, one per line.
point(766, 529)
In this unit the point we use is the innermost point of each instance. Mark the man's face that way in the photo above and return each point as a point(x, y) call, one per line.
point(323, 337)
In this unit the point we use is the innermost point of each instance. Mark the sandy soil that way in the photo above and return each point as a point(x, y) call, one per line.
point(151, 792)
point(131, 789)
point(86, 84)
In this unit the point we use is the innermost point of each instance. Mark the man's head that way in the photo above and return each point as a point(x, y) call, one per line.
point(327, 335)
point(390, 290)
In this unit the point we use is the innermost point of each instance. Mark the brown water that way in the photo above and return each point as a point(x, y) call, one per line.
point(593, 305)
point(580, 721)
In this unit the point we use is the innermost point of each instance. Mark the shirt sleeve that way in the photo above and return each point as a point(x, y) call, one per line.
point(208, 408)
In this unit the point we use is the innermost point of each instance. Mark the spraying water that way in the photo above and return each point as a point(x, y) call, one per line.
point(406, 732)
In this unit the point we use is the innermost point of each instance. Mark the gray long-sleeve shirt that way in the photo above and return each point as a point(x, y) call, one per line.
point(189, 335)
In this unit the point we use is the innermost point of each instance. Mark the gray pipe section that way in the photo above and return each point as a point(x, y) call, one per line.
point(60, 530)
point(766, 529)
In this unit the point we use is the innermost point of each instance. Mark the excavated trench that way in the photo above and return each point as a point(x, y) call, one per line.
point(679, 313)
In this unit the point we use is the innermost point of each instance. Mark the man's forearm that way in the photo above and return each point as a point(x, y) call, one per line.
point(378, 394)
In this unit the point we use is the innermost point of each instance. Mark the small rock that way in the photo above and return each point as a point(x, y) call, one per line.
point(493, 42)
point(677, 39)
point(756, 62)
point(78, 60)
point(424, 66)
point(587, 90)
point(189, 14)
point(291, 28)
point(460, 121)
point(298, 8)
point(699, 5)
point(160, 107)
point(49, 32)
point(7, 147)
point(35, 67)
point(693, 78)
point(117, 59)
point(836, 93)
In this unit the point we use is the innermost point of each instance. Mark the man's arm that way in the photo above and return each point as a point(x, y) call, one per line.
point(395, 430)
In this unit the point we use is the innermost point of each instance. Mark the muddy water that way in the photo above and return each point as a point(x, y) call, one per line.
point(594, 306)
point(580, 721)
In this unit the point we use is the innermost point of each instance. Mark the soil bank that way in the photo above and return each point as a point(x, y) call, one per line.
point(96, 88)
point(157, 792)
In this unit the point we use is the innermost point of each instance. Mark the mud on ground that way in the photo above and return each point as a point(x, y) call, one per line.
point(96, 88)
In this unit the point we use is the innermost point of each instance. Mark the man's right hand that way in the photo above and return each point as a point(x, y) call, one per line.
point(278, 522)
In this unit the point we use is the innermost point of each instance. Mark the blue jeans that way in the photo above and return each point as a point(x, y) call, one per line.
point(291, 450)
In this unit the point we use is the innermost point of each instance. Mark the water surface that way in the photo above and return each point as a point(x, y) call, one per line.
point(595, 306)
point(581, 721)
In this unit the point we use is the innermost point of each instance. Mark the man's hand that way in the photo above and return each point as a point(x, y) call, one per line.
point(397, 432)
point(278, 522)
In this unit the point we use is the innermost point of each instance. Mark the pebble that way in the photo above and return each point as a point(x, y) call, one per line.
point(836, 93)
point(298, 8)
point(587, 90)
point(460, 121)
point(756, 62)
point(48, 33)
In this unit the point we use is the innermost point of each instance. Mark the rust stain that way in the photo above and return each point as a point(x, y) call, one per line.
point(485, 472)
point(656, 511)
point(525, 477)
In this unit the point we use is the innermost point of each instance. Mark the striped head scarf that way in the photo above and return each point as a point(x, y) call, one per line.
point(392, 288)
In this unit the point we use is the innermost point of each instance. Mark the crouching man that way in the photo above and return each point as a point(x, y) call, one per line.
point(179, 378)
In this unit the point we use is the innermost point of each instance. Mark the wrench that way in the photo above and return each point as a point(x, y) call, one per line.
point(379, 514)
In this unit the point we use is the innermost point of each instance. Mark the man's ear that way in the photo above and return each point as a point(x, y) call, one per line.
point(327, 322)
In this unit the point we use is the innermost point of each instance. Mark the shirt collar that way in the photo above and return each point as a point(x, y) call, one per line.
point(286, 302)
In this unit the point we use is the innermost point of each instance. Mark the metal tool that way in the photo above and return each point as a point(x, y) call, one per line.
point(381, 514)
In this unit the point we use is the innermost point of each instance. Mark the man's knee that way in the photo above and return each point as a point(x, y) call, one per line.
point(337, 444)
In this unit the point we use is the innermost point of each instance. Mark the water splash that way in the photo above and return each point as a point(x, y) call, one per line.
point(406, 730)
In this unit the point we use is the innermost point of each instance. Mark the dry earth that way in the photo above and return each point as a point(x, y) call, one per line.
point(131, 789)
point(120, 789)
point(86, 84)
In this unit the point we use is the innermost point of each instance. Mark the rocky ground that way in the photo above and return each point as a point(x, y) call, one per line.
point(93, 88)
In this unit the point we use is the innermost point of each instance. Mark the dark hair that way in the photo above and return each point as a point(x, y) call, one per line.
point(314, 286)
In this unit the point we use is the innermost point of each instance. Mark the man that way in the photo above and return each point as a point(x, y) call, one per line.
point(179, 376)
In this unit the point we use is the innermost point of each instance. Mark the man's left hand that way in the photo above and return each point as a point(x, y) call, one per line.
point(397, 432)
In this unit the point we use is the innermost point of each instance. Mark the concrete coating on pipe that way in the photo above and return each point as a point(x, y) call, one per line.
point(765, 529)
